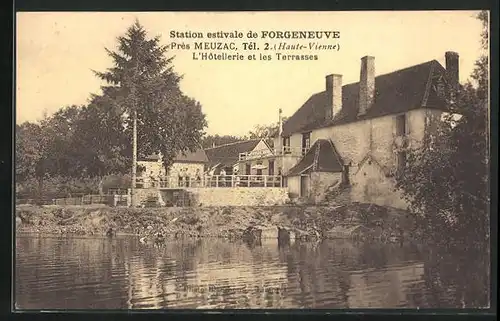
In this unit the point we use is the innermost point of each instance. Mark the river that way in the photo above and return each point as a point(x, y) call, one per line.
point(121, 273)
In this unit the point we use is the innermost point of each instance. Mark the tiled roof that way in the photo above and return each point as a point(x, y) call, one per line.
point(199, 156)
point(399, 91)
point(228, 154)
point(321, 157)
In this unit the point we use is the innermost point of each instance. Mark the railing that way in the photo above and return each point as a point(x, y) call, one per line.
point(33, 201)
point(292, 151)
point(211, 181)
point(117, 191)
point(81, 200)
point(285, 150)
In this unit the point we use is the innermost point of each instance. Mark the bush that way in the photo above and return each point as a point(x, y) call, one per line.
point(189, 219)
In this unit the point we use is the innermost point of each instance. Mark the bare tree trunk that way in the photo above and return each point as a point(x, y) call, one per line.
point(134, 159)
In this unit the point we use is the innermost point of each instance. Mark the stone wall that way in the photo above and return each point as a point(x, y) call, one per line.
point(354, 141)
point(320, 183)
point(142, 194)
point(293, 185)
point(369, 184)
point(239, 196)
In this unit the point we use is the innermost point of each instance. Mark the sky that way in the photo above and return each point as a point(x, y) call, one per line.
point(56, 53)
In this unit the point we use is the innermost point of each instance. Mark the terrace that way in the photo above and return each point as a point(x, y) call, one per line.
point(212, 181)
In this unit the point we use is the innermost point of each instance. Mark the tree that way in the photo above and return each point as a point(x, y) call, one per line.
point(59, 130)
point(43, 149)
point(31, 148)
point(100, 144)
point(265, 132)
point(210, 141)
point(144, 87)
point(446, 182)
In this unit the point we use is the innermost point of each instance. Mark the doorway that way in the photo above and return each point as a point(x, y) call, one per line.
point(304, 185)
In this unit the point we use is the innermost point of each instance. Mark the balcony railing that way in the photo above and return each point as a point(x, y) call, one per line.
point(284, 151)
point(291, 151)
point(211, 181)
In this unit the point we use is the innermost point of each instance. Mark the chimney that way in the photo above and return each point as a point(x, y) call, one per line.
point(452, 74)
point(366, 84)
point(333, 95)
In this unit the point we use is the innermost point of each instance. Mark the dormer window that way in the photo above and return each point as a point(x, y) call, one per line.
point(286, 144)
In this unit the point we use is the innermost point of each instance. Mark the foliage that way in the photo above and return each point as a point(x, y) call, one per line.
point(30, 151)
point(57, 187)
point(94, 141)
point(217, 140)
point(446, 181)
point(100, 144)
point(265, 131)
point(42, 150)
point(142, 81)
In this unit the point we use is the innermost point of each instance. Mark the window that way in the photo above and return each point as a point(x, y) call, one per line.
point(286, 144)
point(247, 169)
point(401, 125)
point(271, 167)
point(306, 142)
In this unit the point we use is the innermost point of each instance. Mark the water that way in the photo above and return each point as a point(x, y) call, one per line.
point(121, 273)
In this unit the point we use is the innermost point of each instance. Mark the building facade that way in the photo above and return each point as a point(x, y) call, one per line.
point(189, 165)
point(371, 125)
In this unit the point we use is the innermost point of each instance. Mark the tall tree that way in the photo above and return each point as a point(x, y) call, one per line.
point(43, 149)
point(446, 182)
point(143, 85)
point(31, 149)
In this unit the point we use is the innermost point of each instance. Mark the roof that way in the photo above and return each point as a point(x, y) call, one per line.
point(403, 90)
point(197, 156)
point(321, 157)
point(228, 154)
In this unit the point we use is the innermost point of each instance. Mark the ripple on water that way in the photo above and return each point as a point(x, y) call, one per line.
point(79, 273)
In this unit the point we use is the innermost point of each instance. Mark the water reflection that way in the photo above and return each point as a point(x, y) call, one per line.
point(121, 273)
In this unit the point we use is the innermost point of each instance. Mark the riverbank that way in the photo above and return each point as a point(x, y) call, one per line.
point(355, 221)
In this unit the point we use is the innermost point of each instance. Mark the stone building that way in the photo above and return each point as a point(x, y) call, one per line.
point(320, 168)
point(190, 164)
point(370, 125)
